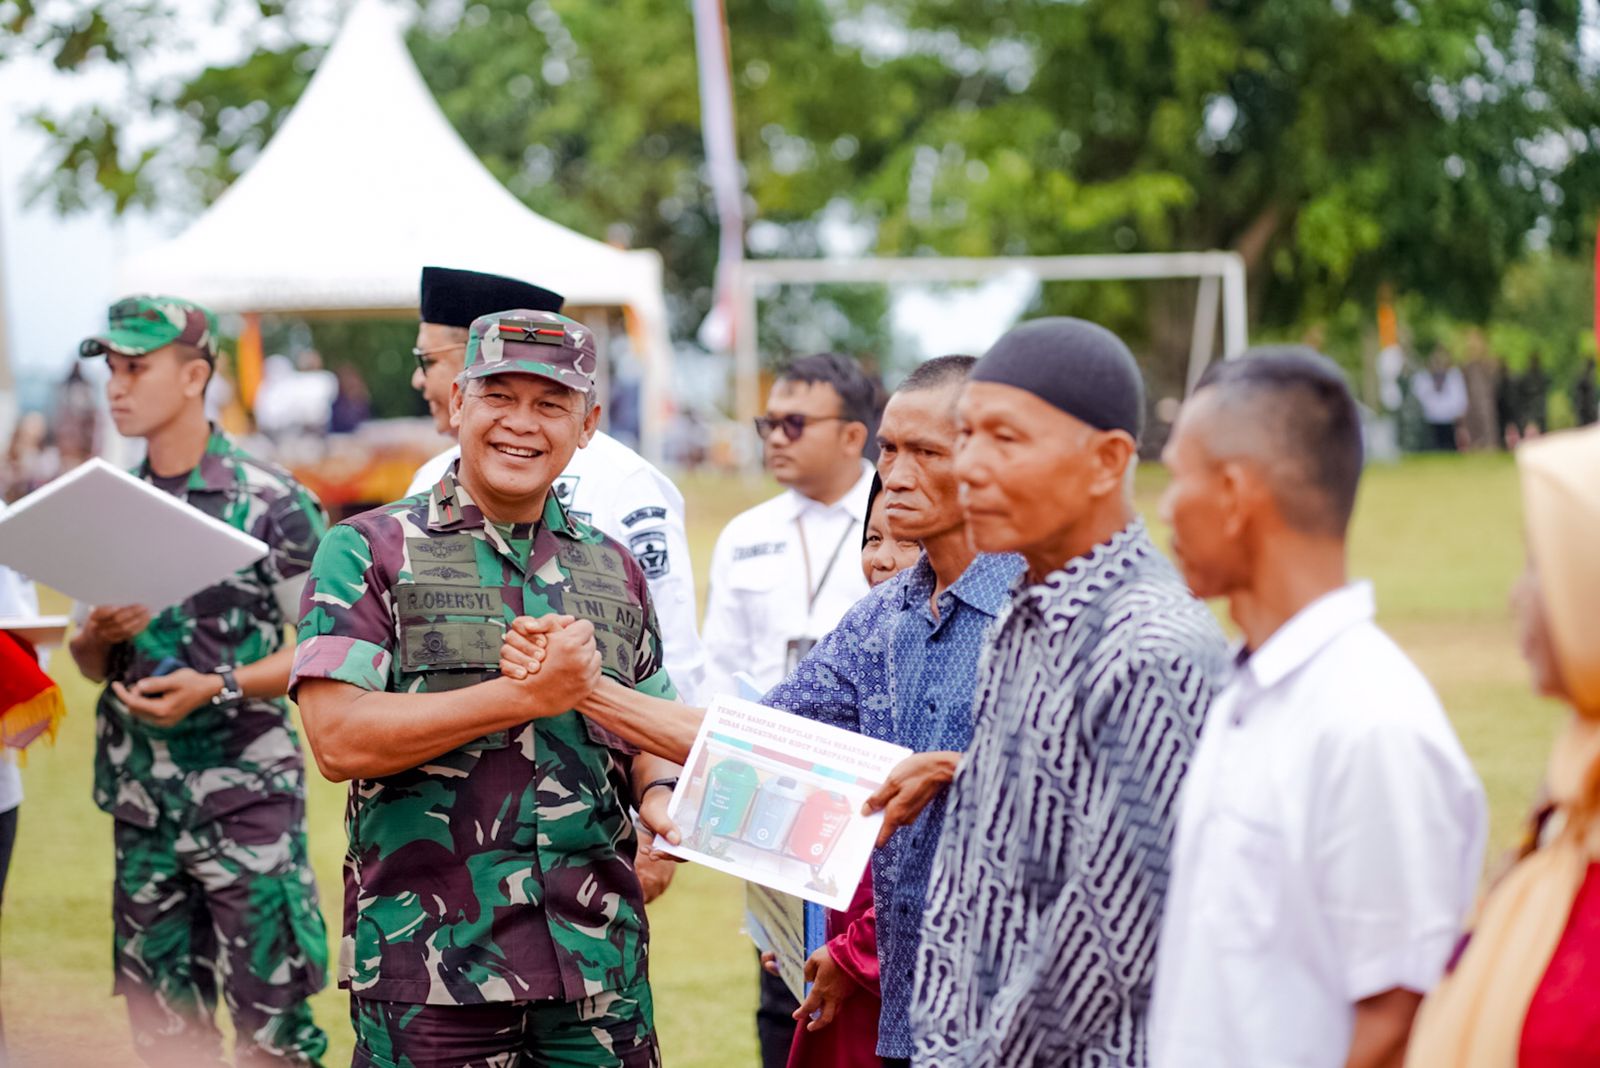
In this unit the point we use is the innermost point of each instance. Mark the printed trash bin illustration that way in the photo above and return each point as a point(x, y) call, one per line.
point(822, 819)
point(730, 788)
point(777, 805)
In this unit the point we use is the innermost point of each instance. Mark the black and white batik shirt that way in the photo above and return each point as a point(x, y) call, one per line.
point(1038, 941)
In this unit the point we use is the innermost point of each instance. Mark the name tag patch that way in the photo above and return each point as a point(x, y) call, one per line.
point(437, 599)
point(618, 617)
point(765, 548)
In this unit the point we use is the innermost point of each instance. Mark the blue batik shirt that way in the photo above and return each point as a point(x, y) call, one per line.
point(891, 670)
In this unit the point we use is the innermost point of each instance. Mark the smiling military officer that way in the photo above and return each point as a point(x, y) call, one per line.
point(606, 485)
point(493, 914)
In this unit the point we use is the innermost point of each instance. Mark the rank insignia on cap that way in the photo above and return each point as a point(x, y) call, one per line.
point(532, 332)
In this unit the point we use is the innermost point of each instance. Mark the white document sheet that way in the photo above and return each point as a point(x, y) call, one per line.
point(103, 537)
point(38, 630)
point(776, 799)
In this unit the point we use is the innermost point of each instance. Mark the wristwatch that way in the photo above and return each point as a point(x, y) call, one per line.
point(230, 688)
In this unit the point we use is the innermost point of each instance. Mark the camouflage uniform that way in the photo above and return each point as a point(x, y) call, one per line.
point(212, 879)
point(491, 908)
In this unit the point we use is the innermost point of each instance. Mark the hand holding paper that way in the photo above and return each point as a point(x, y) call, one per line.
point(654, 815)
point(913, 783)
point(112, 625)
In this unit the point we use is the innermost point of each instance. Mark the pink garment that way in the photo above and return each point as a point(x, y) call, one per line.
point(851, 1041)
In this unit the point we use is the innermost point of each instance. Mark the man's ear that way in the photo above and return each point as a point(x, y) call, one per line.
point(591, 423)
point(193, 376)
point(854, 437)
point(1114, 450)
point(1240, 496)
point(457, 397)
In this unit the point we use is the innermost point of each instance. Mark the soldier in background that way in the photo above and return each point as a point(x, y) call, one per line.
point(493, 915)
point(196, 758)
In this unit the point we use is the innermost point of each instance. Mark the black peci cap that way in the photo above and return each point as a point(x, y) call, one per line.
point(452, 297)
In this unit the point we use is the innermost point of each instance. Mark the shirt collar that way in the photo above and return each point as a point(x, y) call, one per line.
point(1065, 593)
point(984, 586)
point(450, 508)
point(214, 472)
point(1295, 643)
point(853, 503)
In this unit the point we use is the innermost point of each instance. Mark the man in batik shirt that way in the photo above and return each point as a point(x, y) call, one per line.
point(1038, 940)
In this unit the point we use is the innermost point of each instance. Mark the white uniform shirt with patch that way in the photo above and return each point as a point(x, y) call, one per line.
point(1330, 836)
point(759, 572)
point(623, 495)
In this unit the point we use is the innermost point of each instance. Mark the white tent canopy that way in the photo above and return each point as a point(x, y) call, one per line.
point(364, 184)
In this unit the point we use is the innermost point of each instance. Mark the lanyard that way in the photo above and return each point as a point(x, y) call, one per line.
point(813, 592)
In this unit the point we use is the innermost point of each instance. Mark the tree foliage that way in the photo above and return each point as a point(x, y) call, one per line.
point(1339, 145)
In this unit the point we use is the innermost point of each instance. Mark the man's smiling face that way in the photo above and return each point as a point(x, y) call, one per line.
point(518, 433)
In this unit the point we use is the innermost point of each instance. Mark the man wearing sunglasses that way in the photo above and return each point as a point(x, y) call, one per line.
point(607, 484)
point(782, 574)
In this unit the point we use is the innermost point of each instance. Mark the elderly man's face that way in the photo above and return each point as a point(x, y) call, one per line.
point(1206, 504)
point(1029, 472)
point(916, 460)
point(518, 433)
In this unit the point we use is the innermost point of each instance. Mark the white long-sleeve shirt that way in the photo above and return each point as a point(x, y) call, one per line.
point(625, 497)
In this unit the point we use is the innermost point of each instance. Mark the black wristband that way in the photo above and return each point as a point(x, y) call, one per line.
point(672, 783)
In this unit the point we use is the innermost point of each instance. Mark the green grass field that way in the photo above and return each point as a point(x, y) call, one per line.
point(1439, 537)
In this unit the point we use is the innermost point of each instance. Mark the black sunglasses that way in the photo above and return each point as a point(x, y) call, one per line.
point(793, 424)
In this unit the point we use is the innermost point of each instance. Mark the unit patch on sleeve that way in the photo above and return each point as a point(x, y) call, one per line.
point(640, 515)
point(650, 549)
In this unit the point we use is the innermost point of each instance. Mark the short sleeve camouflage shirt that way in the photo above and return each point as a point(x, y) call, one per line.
point(503, 870)
point(219, 758)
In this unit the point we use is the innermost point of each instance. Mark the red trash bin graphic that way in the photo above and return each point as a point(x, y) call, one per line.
point(821, 821)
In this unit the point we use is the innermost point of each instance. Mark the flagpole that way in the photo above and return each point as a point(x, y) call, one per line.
point(726, 178)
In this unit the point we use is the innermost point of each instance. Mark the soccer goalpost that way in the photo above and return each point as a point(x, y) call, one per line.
point(1221, 291)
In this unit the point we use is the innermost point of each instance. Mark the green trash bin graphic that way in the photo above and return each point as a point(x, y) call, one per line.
point(730, 788)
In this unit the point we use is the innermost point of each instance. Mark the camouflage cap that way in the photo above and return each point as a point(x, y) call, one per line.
point(142, 324)
point(527, 342)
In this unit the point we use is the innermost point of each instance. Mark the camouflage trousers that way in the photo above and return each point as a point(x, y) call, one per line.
point(615, 1029)
point(232, 905)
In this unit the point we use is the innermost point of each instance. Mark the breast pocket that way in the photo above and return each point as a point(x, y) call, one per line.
point(1242, 880)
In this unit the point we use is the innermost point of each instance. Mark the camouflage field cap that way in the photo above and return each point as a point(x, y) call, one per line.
point(138, 325)
point(527, 342)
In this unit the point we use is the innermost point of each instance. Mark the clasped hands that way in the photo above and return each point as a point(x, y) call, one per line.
point(555, 657)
